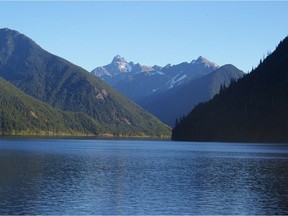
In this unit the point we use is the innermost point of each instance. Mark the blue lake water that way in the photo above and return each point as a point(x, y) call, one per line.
point(124, 177)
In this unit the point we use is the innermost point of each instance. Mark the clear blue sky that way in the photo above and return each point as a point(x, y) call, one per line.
point(91, 33)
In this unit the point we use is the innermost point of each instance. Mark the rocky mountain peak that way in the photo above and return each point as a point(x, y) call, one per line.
point(119, 58)
point(119, 65)
point(204, 61)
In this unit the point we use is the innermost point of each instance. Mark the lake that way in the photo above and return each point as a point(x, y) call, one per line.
point(116, 177)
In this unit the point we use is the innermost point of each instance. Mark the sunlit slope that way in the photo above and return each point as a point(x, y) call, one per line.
point(68, 87)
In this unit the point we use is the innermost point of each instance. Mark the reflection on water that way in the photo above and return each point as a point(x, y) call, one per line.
point(142, 177)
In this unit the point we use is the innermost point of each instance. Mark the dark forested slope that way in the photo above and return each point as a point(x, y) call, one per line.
point(254, 109)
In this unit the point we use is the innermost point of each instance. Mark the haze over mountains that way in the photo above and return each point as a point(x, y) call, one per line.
point(68, 87)
point(171, 91)
point(254, 109)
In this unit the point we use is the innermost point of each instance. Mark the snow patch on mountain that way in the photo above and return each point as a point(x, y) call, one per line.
point(177, 80)
point(159, 72)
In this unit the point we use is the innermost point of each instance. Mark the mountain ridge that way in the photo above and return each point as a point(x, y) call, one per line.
point(147, 80)
point(69, 87)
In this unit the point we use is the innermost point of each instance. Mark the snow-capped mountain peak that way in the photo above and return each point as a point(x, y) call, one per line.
point(119, 60)
point(119, 65)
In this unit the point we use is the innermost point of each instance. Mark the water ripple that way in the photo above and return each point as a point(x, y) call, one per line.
point(136, 177)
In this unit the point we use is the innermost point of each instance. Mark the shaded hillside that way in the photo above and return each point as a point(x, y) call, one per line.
point(23, 115)
point(177, 102)
point(68, 87)
point(254, 109)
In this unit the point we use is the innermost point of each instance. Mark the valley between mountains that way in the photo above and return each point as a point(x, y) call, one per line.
point(43, 94)
point(53, 82)
point(168, 92)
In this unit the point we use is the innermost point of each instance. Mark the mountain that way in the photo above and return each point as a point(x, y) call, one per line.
point(21, 114)
point(68, 87)
point(178, 101)
point(118, 70)
point(139, 81)
point(185, 72)
point(254, 109)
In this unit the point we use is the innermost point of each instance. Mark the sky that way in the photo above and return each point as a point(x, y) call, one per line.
point(91, 33)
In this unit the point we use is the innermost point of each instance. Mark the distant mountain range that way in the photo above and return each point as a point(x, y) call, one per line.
point(253, 109)
point(171, 91)
point(68, 87)
point(139, 81)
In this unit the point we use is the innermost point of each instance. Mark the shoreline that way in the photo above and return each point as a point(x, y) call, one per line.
point(85, 137)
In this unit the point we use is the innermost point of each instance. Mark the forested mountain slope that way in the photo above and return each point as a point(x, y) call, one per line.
point(254, 109)
point(24, 115)
point(66, 86)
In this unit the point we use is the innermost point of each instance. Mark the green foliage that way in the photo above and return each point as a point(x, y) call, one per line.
point(23, 115)
point(253, 109)
point(68, 87)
